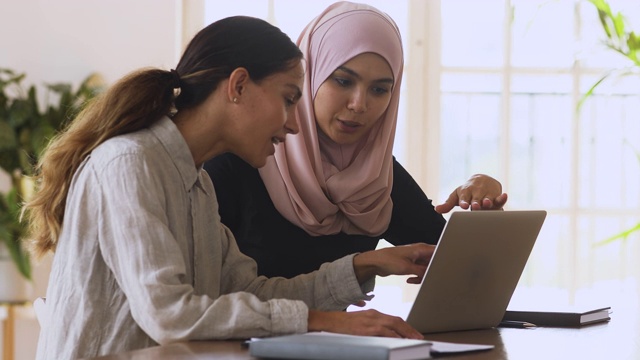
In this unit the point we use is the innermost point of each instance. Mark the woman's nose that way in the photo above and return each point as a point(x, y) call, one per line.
point(291, 125)
point(358, 101)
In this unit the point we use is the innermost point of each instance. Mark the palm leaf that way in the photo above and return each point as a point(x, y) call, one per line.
point(592, 89)
point(623, 235)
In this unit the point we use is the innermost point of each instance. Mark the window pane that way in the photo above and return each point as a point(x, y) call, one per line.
point(471, 82)
point(543, 33)
point(540, 144)
point(614, 260)
point(470, 128)
point(609, 145)
point(472, 32)
point(548, 262)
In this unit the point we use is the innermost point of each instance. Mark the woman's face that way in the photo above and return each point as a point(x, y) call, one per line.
point(271, 114)
point(353, 98)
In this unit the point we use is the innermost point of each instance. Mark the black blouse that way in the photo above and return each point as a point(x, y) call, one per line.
point(283, 249)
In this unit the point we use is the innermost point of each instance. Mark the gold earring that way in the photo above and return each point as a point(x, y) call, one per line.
point(235, 100)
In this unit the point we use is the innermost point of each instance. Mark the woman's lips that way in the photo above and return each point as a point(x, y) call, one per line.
point(348, 126)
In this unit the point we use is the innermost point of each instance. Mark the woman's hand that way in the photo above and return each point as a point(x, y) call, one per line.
point(480, 192)
point(365, 322)
point(398, 260)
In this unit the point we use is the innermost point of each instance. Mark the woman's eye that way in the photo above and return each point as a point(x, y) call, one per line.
point(380, 90)
point(342, 81)
point(289, 101)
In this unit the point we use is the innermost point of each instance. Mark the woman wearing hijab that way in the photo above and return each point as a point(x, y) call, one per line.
point(336, 188)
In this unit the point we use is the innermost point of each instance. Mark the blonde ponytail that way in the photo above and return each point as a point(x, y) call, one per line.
point(135, 102)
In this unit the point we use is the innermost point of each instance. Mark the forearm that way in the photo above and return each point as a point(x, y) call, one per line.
point(365, 266)
point(333, 287)
point(319, 320)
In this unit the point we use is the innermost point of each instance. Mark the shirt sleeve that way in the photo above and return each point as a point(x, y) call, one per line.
point(333, 287)
point(414, 218)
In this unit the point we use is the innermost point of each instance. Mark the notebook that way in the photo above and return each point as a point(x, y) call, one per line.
point(321, 346)
point(327, 345)
point(475, 269)
point(562, 316)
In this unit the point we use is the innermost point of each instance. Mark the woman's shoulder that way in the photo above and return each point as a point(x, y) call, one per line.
point(117, 147)
point(133, 143)
point(400, 174)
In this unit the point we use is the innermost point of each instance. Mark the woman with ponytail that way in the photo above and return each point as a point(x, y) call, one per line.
point(122, 201)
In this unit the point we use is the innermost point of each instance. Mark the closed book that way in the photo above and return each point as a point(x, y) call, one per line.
point(339, 347)
point(560, 317)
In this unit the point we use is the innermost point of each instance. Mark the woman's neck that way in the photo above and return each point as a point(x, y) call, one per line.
point(202, 133)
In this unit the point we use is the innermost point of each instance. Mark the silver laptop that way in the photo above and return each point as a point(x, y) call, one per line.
point(475, 269)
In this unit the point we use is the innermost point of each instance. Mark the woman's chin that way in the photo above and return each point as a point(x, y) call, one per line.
point(346, 138)
point(259, 162)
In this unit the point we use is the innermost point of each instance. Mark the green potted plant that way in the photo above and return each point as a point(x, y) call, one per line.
point(620, 38)
point(26, 126)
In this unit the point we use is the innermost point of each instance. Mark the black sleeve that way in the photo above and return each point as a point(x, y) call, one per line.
point(414, 218)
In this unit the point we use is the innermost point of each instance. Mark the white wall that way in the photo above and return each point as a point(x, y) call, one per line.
point(65, 41)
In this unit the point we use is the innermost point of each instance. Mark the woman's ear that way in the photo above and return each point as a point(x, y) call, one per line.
point(238, 81)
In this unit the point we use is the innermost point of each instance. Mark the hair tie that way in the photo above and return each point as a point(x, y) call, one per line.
point(175, 79)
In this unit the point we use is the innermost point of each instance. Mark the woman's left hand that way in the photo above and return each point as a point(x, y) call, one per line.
point(480, 192)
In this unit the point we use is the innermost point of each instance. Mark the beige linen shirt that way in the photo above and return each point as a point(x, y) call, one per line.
point(143, 259)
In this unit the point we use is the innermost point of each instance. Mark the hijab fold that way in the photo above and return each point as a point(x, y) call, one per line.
point(323, 187)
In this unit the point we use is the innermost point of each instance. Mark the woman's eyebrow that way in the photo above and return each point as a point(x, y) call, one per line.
point(296, 89)
point(357, 76)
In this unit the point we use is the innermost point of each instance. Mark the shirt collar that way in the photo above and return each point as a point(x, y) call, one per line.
point(166, 131)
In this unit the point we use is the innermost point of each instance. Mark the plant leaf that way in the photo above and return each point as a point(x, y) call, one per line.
point(12, 231)
point(25, 131)
point(619, 236)
point(590, 91)
point(9, 160)
point(19, 256)
point(7, 136)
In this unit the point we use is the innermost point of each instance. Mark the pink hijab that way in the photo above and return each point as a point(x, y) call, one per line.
point(320, 186)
